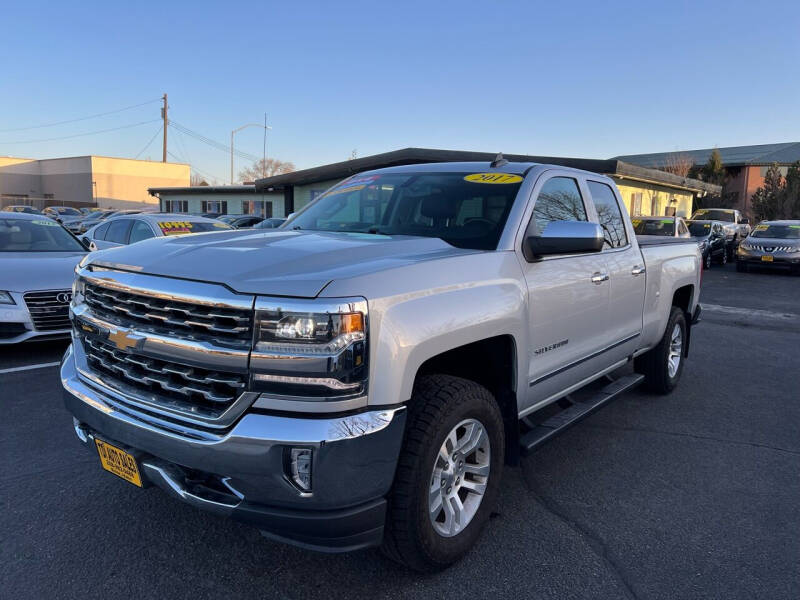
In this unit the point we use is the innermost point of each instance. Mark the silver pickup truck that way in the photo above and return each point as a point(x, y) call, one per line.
point(359, 377)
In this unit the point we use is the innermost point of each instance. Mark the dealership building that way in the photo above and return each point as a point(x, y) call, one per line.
point(646, 191)
point(78, 181)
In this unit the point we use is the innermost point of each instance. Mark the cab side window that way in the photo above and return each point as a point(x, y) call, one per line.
point(100, 232)
point(140, 231)
point(558, 200)
point(609, 215)
point(118, 231)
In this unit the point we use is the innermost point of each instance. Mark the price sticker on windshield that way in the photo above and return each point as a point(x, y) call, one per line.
point(493, 178)
point(175, 227)
point(762, 227)
point(47, 223)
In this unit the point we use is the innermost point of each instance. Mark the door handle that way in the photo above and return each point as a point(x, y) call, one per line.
point(638, 270)
point(599, 278)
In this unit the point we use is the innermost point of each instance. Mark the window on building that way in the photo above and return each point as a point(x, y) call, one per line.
point(49, 196)
point(176, 206)
point(559, 200)
point(636, 204)
point(609, 215)
point(215, 206)
point(654, 203)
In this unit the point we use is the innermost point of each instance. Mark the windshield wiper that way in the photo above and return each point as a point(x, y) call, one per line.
point(376, 230)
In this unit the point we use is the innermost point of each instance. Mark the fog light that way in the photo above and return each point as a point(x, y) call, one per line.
point(301, 468)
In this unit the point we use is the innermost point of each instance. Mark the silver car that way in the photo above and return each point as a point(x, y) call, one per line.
point(660, 227)
point(771, 244)
point(37, 264)
point(124, 230)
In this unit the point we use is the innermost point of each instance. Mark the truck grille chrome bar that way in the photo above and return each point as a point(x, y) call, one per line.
point(49, 309)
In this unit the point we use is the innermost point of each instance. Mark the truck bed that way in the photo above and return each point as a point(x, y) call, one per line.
point(662, 240)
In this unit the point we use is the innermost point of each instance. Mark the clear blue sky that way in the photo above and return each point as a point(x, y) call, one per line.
point(592, 79)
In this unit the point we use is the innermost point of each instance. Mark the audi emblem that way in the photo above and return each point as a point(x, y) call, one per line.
point(64, 297)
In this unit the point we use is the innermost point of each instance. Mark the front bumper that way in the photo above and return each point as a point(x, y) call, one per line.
point(785, 260)
point(242, 473)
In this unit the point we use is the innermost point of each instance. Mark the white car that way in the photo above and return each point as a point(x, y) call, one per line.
point(37, 264)
point(124, 230)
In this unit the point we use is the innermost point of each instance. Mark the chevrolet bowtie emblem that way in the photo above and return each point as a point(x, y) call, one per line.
point(124, 339)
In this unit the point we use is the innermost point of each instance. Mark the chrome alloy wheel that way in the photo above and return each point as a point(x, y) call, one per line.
point(675, 350)
point(459, 478)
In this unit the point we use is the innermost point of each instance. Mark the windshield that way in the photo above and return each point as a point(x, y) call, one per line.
point(184, 227)
point(466, 210)
point(786, 232)
point(714, 214)
point(66, 210)
point(44, 235)
point(22, 209)
point(654, 226)
point(699, 229)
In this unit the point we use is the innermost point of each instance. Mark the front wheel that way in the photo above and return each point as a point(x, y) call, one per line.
point(448, 474)
point(707, 261)
point(662, 366)
point(724, 259)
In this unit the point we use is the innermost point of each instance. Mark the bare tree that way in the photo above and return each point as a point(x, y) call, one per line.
point(265, 168)
point(197, 179)
point(678, 163)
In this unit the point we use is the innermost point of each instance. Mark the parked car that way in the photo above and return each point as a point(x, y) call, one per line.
point(359, 383)
point(710, 236)
point(661, 227)
point(88, 210)
point(737, 227)
point(22, 208)
point(212, 215)
point(62, 214)
point(771, 244)
point(91, 220)
point(129, 229)
point(37, 265)
point(271, 223)
point(241, 221)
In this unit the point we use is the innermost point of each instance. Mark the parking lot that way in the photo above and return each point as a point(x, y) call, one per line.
point(693, 495)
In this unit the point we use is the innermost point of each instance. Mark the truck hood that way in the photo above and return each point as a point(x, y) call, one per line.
point(280, 263)
point(26, 271)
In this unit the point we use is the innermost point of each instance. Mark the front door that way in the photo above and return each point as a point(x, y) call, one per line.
point(568, 298)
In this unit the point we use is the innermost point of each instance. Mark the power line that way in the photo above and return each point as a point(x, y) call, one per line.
point(67, 137)
point(213, 143)
point(209, 175)
point(150, 142)
point(103, 114)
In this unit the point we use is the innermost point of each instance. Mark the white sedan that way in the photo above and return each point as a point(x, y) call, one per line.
point(124, 230)
point(37, 264)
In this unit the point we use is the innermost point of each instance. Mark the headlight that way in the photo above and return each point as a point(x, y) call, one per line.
point(310, 349)
point(5, 298)
point(78, 292)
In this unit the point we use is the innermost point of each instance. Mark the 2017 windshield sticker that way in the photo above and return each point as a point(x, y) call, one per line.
point(355, 184)
point(762, 227)
point(46, 223)
point(176, 227)
point(493, 178)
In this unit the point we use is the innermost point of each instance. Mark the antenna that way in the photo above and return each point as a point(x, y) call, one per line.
point(498, 161)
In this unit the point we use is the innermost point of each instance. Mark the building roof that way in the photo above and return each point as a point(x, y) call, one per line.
point(410, 156)
point(733, 156)
point(204, 189)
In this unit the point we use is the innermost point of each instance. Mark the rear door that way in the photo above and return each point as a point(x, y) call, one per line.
point(626, 272)
point(566, 308)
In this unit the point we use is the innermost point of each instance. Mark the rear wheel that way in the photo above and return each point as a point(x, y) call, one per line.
point(448, 474)
point(707, 261)
point(662, 366)
point(724, 259)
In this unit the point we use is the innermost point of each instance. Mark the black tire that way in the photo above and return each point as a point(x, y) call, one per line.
point(707, 261)
point(654, 364)
point(724, 260)
point(741, 266)
point(438, 404)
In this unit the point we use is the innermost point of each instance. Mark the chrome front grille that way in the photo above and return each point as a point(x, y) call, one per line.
point(49, 309)
point(172, 318)
point(187, 389)
point(763, 248)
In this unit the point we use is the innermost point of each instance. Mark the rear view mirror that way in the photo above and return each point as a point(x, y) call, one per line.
point(564, 237)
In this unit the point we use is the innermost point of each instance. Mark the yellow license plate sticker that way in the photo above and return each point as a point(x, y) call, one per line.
point(118, 462)
point(767, 258)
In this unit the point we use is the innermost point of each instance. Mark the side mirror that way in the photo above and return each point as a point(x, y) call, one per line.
point(563, 237)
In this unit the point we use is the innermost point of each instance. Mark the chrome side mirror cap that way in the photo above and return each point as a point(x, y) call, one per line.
point(563, 237)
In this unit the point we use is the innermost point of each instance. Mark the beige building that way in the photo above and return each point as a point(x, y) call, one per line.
point(78, 181)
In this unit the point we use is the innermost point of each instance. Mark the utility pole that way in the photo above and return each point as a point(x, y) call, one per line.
point(239, 129)
point(164, 117)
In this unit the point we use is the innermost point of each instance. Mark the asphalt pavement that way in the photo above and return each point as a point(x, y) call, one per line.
point(692, 495)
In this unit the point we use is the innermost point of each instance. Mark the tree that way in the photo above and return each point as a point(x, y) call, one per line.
point(265, 168)
point(678, 163)
point(714, 171)
point(767, 201)
point(197, 179)
point(791, 192)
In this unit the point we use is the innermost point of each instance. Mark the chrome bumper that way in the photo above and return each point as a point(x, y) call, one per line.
point(353, 465)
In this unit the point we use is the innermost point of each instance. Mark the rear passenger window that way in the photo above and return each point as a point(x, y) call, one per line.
point(559, 200)
point(118, 231)
point(100, 232)
point(140, 231)
point(608, 214)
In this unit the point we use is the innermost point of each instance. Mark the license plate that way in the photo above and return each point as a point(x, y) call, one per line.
point(767, 258)
point(118, 462)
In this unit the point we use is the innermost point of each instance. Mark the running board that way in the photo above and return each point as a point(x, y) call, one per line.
point(548, 429)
